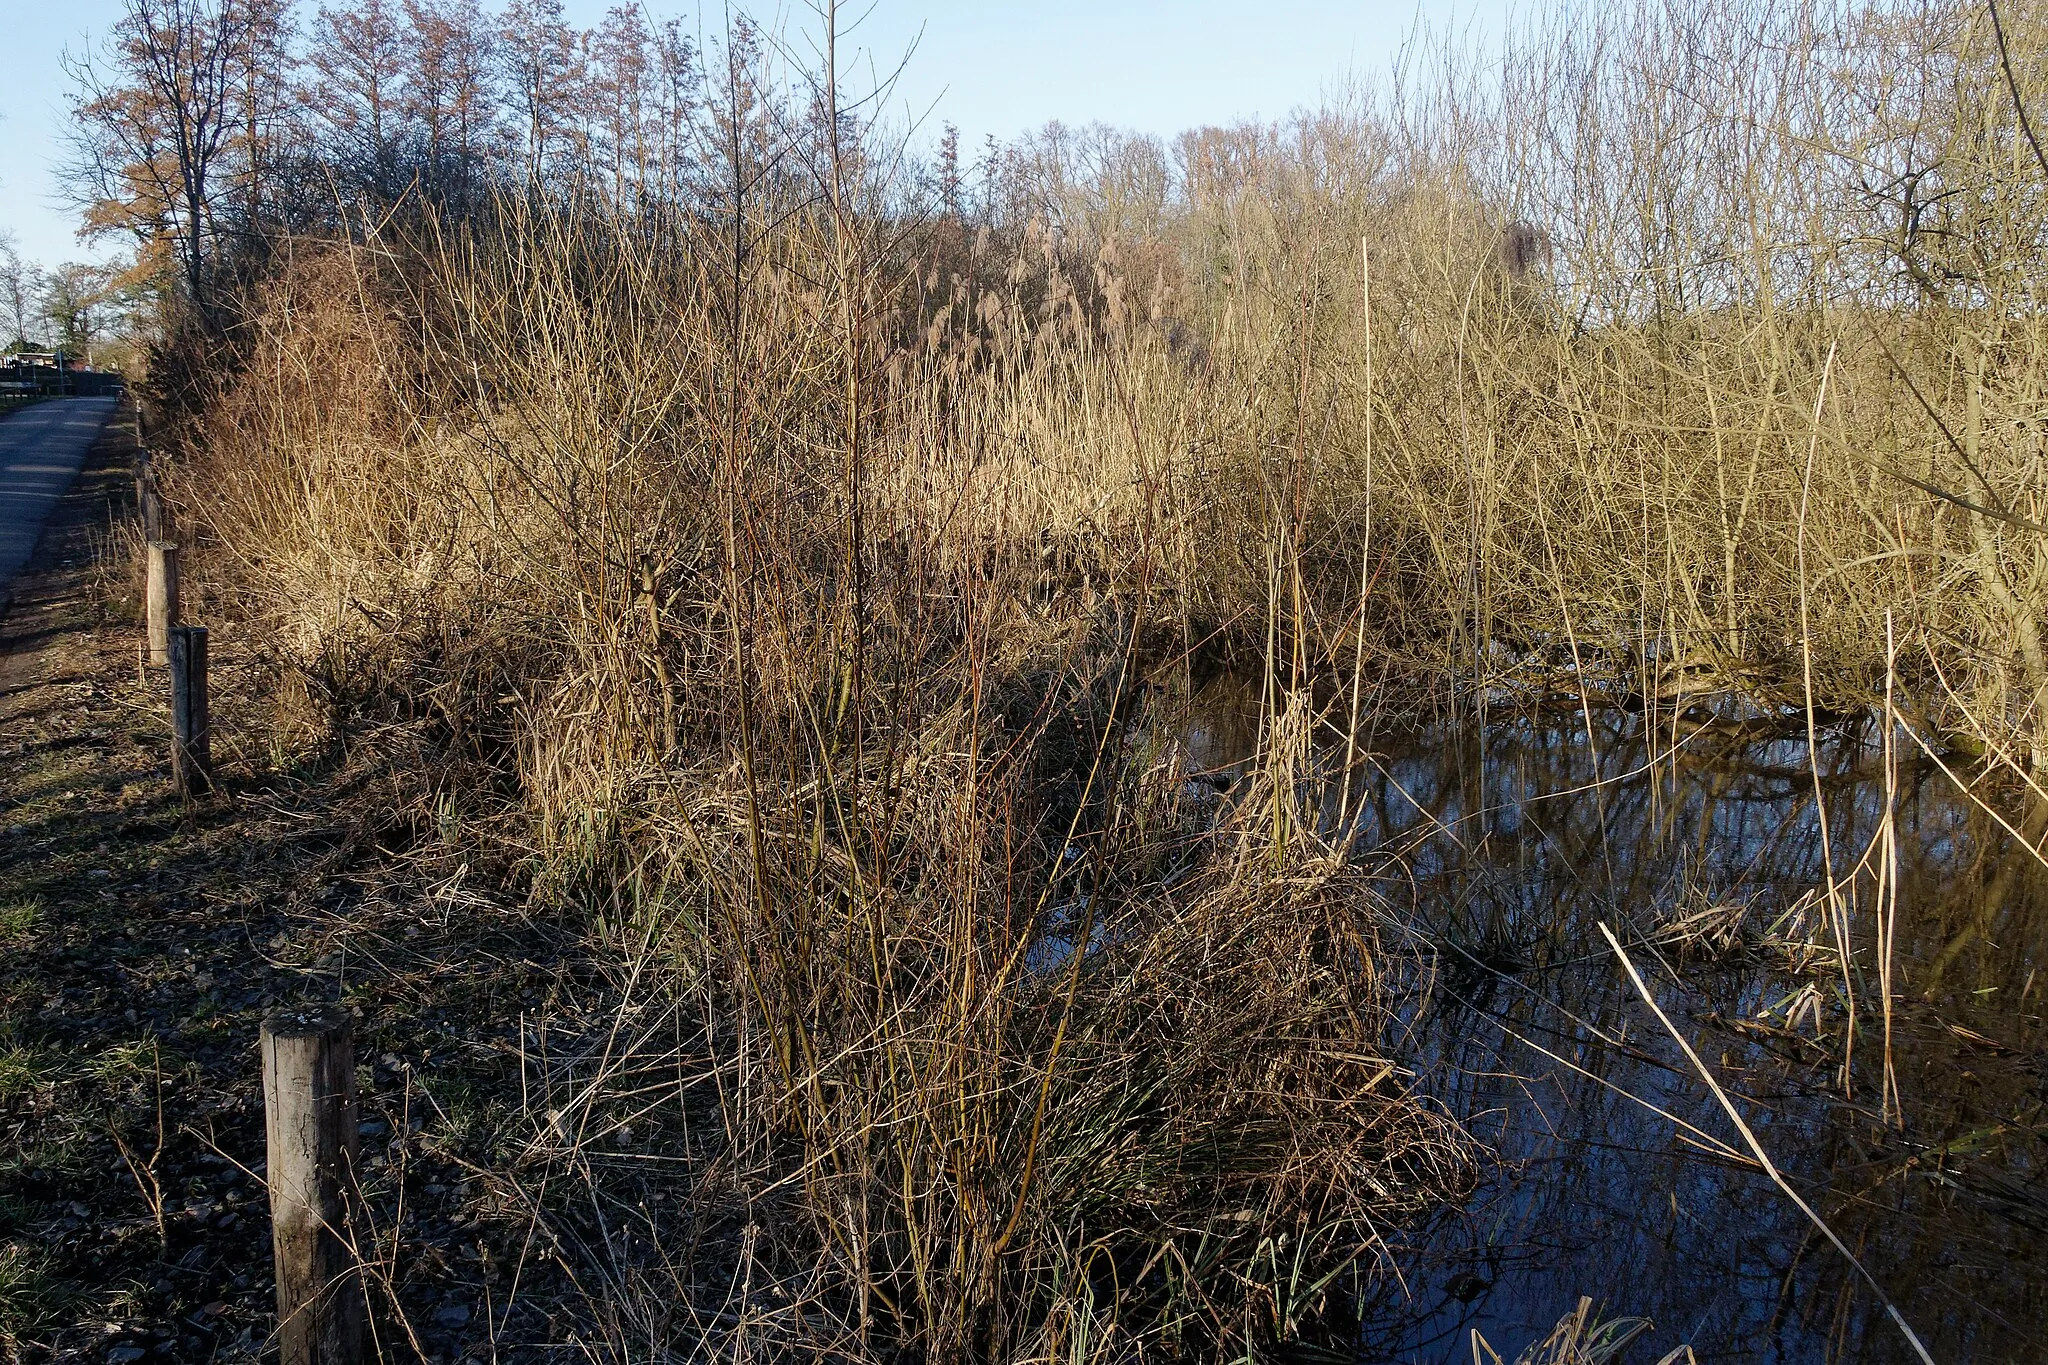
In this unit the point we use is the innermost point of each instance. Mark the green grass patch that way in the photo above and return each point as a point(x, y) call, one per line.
point(21, 1071)
point(30, 1296)
point(123, 1064)
point(18, 920)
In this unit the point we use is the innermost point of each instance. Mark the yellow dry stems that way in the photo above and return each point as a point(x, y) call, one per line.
point(807, 575)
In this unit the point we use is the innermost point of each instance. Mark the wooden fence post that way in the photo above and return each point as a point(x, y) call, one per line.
point(162, 601)
point(152, 503)
point(191, 753)
point(309, 1120)
point(150, 500)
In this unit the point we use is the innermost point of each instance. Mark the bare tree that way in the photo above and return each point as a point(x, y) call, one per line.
point(675, 92)
point(448, 96)
point(537, 50)
point(18, 289)
point(949, 172)
point(262, 113)
point(621, 77)
point(358, 61)
point(152, 116)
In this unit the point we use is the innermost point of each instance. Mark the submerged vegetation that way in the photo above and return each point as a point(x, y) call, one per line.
point(793, 559)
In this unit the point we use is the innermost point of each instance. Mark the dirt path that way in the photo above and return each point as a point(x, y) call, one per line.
point(141, 942)
point(102, 939)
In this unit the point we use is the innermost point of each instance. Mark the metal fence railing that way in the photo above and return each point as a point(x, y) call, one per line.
point(54, 376)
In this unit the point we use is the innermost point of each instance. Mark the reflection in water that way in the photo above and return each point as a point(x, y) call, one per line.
point(1505, 851)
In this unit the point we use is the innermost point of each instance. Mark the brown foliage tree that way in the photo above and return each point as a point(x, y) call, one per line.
point(154, 118)
point(448, 95)
point(544, 72)
point(358, 57)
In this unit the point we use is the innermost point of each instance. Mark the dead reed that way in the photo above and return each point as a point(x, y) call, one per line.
point(797, 582)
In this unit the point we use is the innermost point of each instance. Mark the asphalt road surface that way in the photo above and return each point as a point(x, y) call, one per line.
point(41, 448)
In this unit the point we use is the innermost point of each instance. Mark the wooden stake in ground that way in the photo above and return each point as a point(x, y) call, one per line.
point(309, 1108)
point(151, 501)
point(191, 755)
point(148, 498)
point(162, 600)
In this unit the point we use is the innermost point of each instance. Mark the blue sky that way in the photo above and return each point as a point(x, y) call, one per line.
point(995, 68)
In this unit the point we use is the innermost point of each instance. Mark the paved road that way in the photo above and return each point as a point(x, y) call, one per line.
point(41, 448)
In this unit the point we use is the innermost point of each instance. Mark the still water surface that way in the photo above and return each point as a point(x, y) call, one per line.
point(1505, 847)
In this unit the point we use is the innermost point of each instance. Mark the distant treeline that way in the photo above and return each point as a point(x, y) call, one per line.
point(207, 130)
point(207, 127)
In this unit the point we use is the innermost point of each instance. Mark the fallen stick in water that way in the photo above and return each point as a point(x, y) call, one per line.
point(1757, 1148)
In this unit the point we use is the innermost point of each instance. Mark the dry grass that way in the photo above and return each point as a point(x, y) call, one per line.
point(845, 800)
point(799, 590)
point(1580, 1338)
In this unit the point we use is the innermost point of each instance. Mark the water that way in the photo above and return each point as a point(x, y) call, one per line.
point(1505, 849)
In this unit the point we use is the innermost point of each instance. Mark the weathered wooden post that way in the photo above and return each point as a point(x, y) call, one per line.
point(162, 599)
point(152, 501)
point(191, 754)
point(309, 1120)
